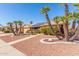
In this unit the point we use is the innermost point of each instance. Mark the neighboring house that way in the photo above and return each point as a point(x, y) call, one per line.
point(6, 28)
point(45, 25)
point(1, 27)
point(26, 27)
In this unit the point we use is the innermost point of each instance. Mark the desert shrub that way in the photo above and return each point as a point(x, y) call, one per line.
point(46, 31)
point(7, 31)
point(36, 31)
point(71, 33)
point(55, 29)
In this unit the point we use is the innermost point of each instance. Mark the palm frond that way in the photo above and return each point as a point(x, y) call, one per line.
point(44, 9)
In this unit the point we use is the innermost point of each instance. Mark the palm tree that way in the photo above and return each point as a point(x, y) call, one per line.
point(57, 19)
point(20, 24)
point(31, 27)
point(73, 16)
point(77, 14)
point(16, 26)
point(76, 4)
point(66, 21)
point(74, 21)
point(44, 11)
point(77, 31)
point(10, 24)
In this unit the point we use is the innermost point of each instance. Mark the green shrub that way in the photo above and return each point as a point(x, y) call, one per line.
point(36, 31)
point(46, 31)
point(55, 29)
point(7, 31)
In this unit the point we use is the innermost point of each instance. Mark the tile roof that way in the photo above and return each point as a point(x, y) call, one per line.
point(45, 23)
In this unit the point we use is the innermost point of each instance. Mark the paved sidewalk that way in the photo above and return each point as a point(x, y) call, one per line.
point(7, 50)
point(4, 34)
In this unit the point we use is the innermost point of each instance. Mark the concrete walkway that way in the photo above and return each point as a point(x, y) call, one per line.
point(7, 50)
point(4, 34)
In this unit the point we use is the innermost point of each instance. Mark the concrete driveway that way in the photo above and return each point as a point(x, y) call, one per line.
point(7, 50)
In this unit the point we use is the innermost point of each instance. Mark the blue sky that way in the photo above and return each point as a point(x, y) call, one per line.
point(29, 12)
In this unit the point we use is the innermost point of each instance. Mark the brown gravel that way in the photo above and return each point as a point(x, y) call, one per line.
point(33, 47)
point(9, 38)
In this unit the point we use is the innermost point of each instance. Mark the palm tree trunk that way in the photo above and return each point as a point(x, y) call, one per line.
point(12, 29)
point(16, 29)
point(31, 30)
point(59, 28)
point(66, 22)
point(50, 26)
point(65, 31)
point(73, 25)
point(20, 30)
point(49, 23)
point(76, 34)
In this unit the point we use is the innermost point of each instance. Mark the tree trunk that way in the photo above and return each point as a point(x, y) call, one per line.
point(49, 23)
point(50, 26)
point(20, 29)
point(73, 25)
point(76, 34)
point(16, 29)
point(31, 30)
point(65, 31)
point(66, 22)
point(12, 29)
point(59, 29)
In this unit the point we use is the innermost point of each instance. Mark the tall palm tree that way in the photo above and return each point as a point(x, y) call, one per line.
point(44, 11)
point(21, 26)
point(66, 21)
point(77, 31)
point(75, 15)
point(10, 24)
point(16, 26)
